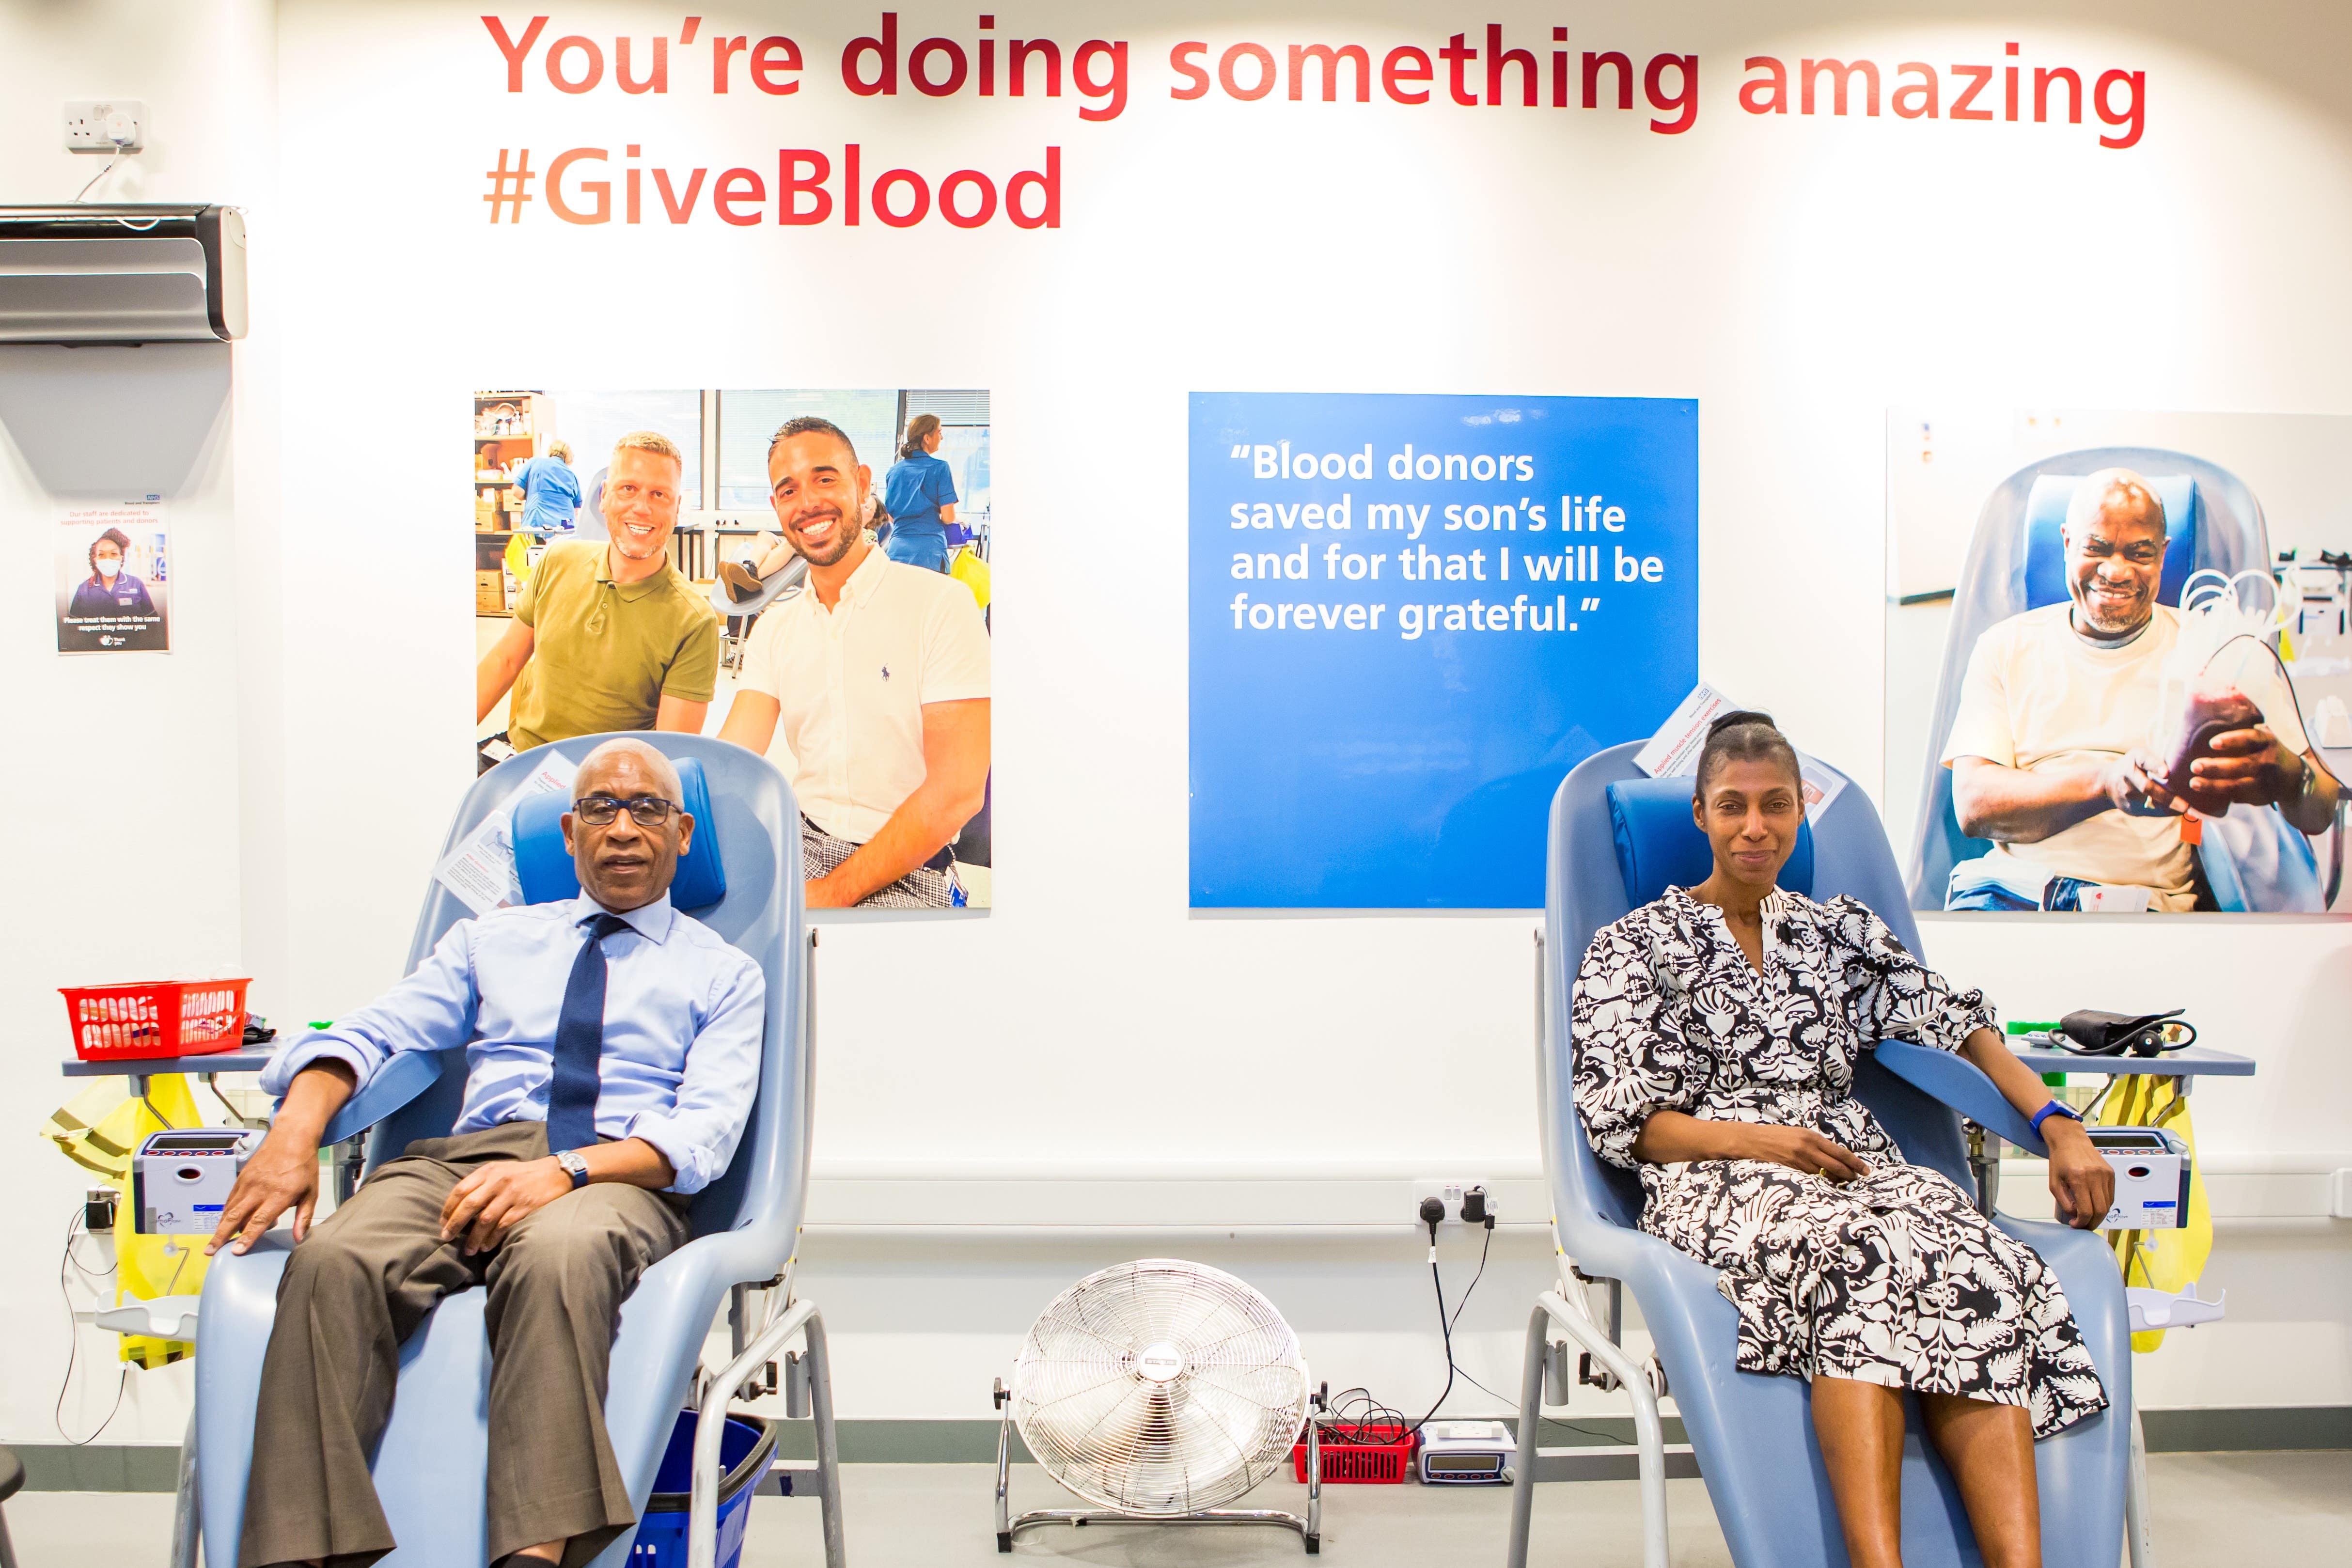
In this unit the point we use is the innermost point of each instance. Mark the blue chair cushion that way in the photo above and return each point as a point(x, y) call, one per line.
point(1658, 845)
point(545, 870)
point(2045, 553)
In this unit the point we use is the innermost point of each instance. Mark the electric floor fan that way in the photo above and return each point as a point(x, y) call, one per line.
point(1159, 1390)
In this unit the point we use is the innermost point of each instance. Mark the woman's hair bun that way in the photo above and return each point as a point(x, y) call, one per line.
point(1747, 736)
point(1742, 716)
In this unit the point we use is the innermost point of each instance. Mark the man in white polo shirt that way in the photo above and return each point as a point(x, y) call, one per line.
point(2050, 749)
point(879, 674)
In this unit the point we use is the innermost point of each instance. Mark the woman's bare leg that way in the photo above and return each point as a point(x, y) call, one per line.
point(774, 554)
point(1860, 1426)
point(1989, 1448)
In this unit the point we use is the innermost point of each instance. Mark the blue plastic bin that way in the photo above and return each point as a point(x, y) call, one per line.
point(746, 1452)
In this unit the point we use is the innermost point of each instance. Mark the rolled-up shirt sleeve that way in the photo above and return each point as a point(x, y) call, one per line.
point(431, 1010)
point(1631, 1060)
point(1890, 995)
point(699, 1135)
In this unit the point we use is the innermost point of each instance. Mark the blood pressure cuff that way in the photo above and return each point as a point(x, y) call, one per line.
point(2095, 1034)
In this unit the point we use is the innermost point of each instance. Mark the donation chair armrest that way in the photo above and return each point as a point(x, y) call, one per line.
point(1959, 1083)
point(397, 1082)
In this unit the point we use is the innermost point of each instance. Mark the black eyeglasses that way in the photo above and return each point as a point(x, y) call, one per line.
point(644, 810)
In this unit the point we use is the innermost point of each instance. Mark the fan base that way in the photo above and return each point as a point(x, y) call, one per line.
point(1312, 1538)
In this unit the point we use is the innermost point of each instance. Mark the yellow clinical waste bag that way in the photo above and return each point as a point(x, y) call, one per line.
point(99, 1129)
point(970, 569)
point(523, 550)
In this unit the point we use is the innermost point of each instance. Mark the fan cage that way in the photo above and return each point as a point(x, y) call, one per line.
point(1101, 1406)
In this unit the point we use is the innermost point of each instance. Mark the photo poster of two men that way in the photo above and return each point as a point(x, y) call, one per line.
point(2118, 660)
point(698, 559)
point(113, 579)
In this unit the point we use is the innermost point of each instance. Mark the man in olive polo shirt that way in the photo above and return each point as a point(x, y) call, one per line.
point(608, 635)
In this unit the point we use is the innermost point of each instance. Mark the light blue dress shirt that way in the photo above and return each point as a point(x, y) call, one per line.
point(685, 1014)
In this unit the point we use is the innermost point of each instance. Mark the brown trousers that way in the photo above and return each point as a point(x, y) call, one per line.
point(363, 1280)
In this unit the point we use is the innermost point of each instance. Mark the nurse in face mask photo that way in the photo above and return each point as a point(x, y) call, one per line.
point(108, 590)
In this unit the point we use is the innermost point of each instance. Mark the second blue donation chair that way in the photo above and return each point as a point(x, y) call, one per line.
point(1618, 839)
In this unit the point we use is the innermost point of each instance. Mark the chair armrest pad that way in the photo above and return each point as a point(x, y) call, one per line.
point(1962, 1085)
point(397, 1082)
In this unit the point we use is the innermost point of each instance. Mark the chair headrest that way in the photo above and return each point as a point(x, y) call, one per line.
point(2046, 553)
point(1658, 845)
point(544, 867)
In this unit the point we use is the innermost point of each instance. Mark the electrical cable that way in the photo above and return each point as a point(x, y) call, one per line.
point(1372, 1421)
point(84, 193)
point(73, 1343)
point(1617, 1438)
point(1445, 1329)
point(1484, 1247)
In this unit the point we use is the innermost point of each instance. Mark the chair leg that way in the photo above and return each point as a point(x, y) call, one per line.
point(1649, 1431)
point(702, 1496)
point(187, 1509)
point(2142, 1551)
point(1523, 1494)
point(828, 1447)
point(7, 1551)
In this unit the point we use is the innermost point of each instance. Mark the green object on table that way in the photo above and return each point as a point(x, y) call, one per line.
point(323, 1024)
point(2014, 1026)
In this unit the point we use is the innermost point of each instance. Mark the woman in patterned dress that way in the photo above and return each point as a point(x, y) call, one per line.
point(1715, 1032)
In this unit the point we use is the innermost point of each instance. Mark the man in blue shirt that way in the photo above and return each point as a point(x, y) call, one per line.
point(612, 1049)
point(919, 494)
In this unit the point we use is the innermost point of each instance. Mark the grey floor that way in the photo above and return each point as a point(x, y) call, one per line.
point(2212, 1511)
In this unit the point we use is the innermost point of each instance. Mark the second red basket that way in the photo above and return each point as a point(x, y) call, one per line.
point(1383, 1456)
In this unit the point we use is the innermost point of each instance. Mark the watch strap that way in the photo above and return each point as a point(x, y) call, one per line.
point(2055, 1107)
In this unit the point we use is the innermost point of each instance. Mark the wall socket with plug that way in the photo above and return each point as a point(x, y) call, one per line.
point(105, 124)
point(1447, 1190)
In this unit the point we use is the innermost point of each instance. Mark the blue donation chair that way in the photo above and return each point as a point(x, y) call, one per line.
point(2252, 859)
point(743, 879)
point(1618, 839)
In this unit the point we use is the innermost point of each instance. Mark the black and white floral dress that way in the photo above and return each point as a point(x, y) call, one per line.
point(1894, 1278)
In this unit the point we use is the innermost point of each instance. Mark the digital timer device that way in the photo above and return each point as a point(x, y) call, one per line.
point(2151, 1167)
point(1467, 1452)
point(181, 1180)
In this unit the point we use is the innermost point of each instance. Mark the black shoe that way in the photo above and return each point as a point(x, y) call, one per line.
point(742, 586)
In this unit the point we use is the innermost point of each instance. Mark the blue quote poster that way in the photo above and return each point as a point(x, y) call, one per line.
point(1409, 616)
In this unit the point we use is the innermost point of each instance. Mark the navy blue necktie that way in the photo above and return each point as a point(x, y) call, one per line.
point(580, 1044)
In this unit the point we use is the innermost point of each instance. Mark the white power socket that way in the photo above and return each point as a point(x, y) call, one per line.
point(106, 124)
point(1447, 1190)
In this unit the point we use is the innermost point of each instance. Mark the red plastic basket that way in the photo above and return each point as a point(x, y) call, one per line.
point(1384, 1461)
point(155, 1018)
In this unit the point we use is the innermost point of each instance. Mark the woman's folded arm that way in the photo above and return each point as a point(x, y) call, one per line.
point(1671, 1136)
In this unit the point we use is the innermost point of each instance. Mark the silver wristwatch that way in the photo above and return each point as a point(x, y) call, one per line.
point(574, 1166)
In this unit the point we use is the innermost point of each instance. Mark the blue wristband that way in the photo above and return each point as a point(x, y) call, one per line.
point(2055, 1107)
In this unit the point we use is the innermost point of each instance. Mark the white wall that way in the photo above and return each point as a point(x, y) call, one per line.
point(133, 855)
point(1796, 276)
